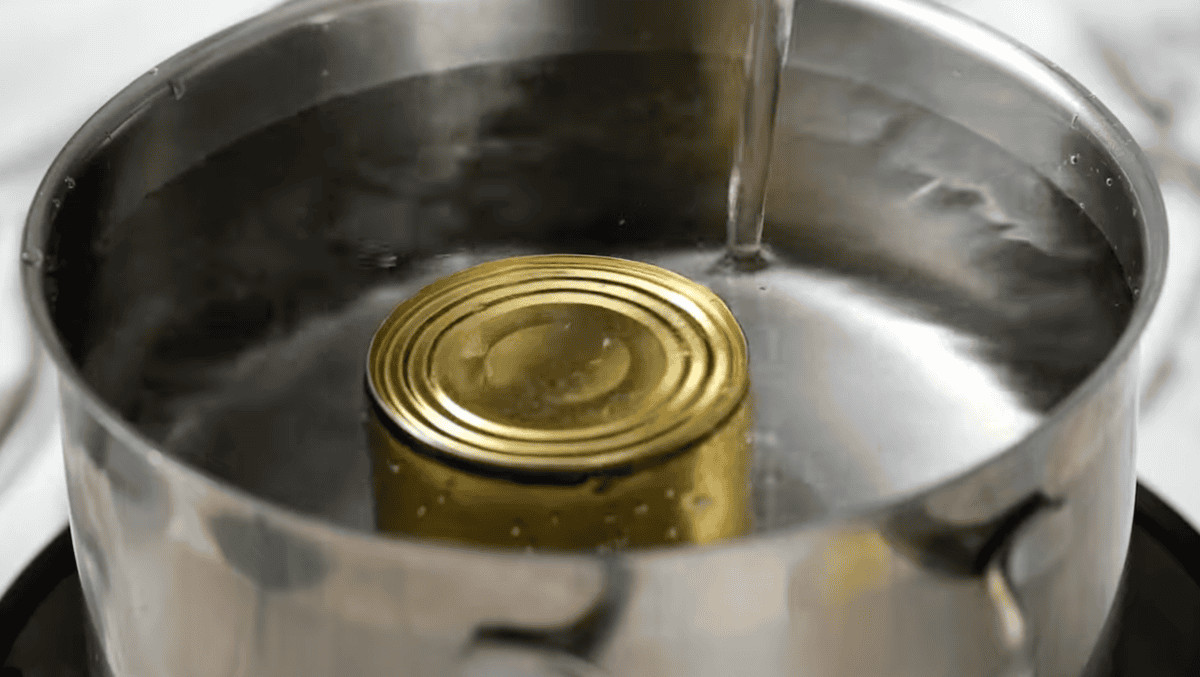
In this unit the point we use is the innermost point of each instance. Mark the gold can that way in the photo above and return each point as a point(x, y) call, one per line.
point(561, 402)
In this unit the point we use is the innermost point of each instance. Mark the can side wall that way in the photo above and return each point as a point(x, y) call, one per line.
point(698, 495)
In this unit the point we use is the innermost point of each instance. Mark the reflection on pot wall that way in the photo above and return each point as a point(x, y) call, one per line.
point(951, 268)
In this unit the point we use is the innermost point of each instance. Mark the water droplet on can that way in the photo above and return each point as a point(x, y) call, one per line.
point(610, 518)
point(670, 493)
point(672, 533)
point(70, 183)
point(700, 502)
point(1074, 159)
point(177, 89)
point(421, 511)
point(641, 509)
point(441, 499)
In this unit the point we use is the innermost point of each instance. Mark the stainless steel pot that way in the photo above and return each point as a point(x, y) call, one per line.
point(965, 247)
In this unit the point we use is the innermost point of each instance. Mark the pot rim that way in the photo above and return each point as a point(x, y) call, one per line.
point(942, 23)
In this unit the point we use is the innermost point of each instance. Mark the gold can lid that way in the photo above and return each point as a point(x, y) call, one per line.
point(560, 363)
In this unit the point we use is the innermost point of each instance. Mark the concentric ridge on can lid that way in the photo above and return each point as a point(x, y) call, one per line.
point(559, 363)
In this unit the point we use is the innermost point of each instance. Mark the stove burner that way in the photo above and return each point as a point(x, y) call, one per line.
point(1155, 631)
point(42, 617)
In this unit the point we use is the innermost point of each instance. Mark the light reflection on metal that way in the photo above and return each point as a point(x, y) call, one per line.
point(561, 402)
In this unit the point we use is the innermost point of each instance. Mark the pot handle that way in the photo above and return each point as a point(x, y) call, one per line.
point(1014, 626)
point(498, 659)
point(499, 650)
point(977, 550)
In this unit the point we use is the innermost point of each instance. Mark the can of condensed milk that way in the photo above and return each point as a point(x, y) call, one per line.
point(561, 402)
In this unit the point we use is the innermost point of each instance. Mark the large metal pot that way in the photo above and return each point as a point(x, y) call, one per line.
point(965, 248)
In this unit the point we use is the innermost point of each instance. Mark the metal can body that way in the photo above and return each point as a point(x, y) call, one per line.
point(696, 496)
point(587, 402)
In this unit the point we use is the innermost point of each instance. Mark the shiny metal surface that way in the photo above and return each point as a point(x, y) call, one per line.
point(964, 247)
point(559, 363)
point(561, 403)
point(699, 495)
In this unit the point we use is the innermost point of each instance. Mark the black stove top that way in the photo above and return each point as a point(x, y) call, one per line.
point(1155, 631)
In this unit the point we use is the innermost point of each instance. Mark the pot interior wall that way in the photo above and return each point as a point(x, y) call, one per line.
point(930, 297)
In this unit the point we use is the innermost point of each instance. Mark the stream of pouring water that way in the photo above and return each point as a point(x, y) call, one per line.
point(766, 51)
